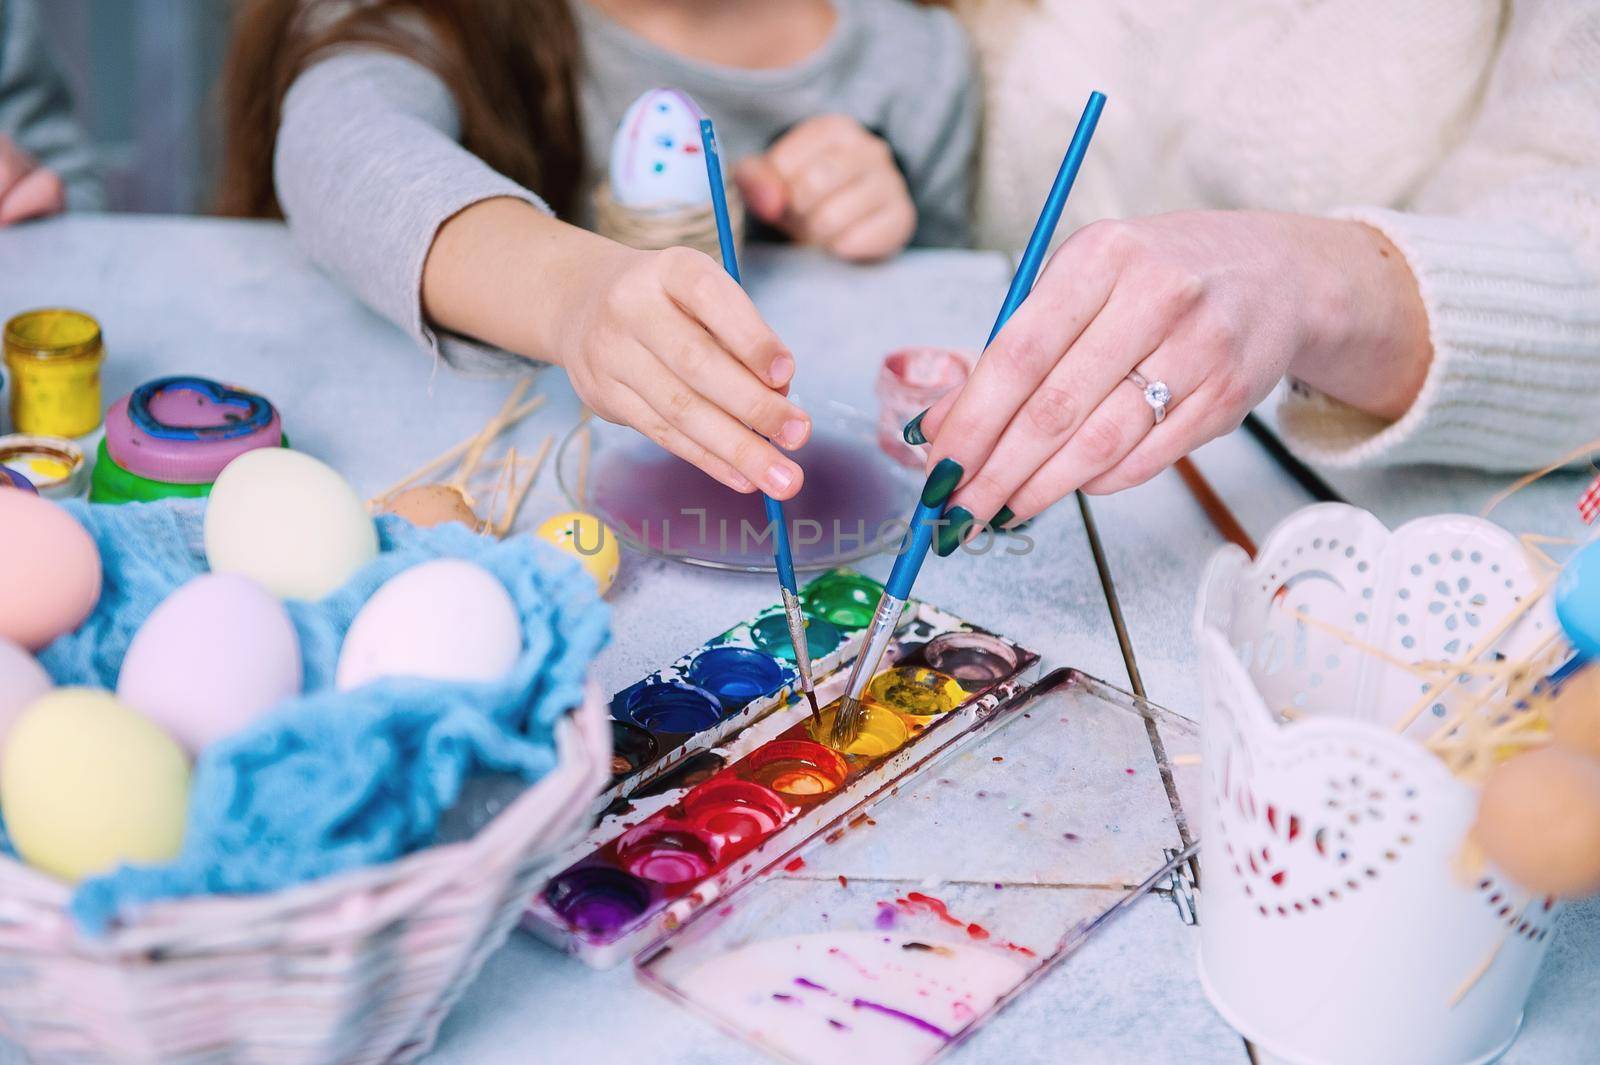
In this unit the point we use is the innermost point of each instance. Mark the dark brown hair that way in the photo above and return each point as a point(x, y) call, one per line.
point(511, 65)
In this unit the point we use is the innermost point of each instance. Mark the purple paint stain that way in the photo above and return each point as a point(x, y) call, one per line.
point(1073, 836)
point(997, 887)
point(779, 996)
point(901, 1015)
point(810, 985)
point(885, 918)
point(840, 1025)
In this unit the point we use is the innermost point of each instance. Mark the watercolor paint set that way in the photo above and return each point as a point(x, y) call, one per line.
point(719, 817)
point(920, 910)
point(734, 679)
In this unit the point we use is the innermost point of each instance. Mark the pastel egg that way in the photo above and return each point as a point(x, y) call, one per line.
point(211, 658)
point(442, 620)
point(288, 522)
point(1577, 599)
point(587, 539)
point(428, 505)
point(87, 784)
point(656, 159)
point(1539, 820)
point(49, 570)
point(1575, 712)
point(22, 680)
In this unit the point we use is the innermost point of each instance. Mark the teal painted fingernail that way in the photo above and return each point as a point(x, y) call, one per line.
point(957, 522)
point(1002, 518)
point(941, 482)
point(913, 430)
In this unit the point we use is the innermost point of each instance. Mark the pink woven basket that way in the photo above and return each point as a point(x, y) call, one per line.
point(359, 967)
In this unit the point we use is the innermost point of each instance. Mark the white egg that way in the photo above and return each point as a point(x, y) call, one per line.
point(22, 680)
point(656, 159)
point(443, 620)
point(289, 522)
point(213, 656)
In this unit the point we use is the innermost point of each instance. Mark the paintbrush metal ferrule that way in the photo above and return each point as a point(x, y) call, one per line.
point(847, 721)
point(802, 650)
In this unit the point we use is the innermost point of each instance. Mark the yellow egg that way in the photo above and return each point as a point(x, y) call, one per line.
point(589, 540)
point(86, 784)
point(1539, 820)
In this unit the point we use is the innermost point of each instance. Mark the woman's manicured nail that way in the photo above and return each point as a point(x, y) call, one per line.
point(957, 522)
point(1002, 518)
point(781, 370)
point(793, 433)
point(941, 482)
point(779, 478)
point(913, 430)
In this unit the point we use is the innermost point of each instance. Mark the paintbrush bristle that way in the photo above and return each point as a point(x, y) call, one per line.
point(816, 711)
point(846, 723)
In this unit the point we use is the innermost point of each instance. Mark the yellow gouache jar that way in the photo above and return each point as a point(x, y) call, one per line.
point(54, 356)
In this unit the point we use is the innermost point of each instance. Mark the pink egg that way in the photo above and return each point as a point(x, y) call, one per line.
point(212, 657)
point(49, 570)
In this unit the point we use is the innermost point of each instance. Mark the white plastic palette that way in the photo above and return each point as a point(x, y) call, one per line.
point(919, 913)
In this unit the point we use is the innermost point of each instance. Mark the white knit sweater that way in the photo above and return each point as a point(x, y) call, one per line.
point(1468, 131)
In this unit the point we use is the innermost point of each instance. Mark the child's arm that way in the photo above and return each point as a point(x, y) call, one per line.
point(46, 163)
point(375, 186)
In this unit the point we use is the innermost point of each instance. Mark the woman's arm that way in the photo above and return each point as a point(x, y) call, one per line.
point(379, 192)
point(1504, 243)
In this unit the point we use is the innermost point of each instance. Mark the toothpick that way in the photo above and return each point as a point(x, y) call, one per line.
point(514, 505)
point(489, 433)
point(1478, 974)
point(451, 454)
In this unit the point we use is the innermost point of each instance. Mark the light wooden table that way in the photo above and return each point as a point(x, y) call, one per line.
point(236, 301)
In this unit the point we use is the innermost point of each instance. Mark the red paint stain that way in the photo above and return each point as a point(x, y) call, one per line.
point(843, 881)
point(1129, 772)
point(917, 902)
point(794, 865)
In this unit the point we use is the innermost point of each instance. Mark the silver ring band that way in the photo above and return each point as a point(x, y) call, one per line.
point(1156, 393)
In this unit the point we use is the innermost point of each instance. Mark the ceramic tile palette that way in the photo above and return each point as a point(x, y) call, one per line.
point(707, 810)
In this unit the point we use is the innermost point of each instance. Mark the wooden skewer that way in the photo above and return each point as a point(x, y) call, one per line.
point(514, 505)
point(1478, 974)
point(585, 445)
point(507, 472)
point(451, 454)
point(489, 433)
point(1212, 504)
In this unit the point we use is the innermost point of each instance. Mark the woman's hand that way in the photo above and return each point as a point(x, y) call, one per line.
point(27, 190)
point(1216, 305)
point(664, 341)
point(831, 183)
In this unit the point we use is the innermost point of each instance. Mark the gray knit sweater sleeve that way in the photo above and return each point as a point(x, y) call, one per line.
point(367, 168)
point(36, 109)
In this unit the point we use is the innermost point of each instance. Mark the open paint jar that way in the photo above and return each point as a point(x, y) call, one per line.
point(915, 691)
point(882, 731)
point(53, 466)
point(847, 600)
point(598, 901)
point(668, 706)
point(971, 657)
point(737, 675)
point(770, 633)
point(54, 356)
point(666, 852)
point(797, 769)
point(738, 814)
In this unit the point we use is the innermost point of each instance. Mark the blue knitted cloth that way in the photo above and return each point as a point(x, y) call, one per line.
point(333, 780)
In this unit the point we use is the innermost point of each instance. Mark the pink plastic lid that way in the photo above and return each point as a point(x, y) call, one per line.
point(184, 430)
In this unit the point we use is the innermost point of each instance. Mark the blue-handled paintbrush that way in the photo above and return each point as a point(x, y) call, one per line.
point(775, 517)
point(942, 481)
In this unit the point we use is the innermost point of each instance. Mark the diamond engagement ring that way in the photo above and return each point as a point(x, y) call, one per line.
point(1156, 393)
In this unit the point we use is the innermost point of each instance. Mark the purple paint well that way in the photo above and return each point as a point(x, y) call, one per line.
point(598, 902)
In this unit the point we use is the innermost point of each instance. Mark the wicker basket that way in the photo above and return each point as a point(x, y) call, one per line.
point(359, 967)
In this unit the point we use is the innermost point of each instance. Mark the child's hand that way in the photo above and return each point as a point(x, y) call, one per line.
point(27, 190)
point(831, 183)
point(668, 343)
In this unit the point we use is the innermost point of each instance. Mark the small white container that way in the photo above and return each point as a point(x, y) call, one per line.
point(1339, 921)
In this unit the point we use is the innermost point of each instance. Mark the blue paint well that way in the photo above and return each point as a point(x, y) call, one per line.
point(737, 675)
point(667, 706)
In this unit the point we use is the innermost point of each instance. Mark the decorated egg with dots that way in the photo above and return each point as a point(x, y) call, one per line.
point(589, 540)
point(1577, 599)
point(656, 159)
